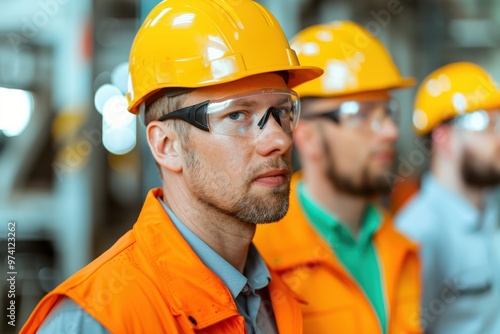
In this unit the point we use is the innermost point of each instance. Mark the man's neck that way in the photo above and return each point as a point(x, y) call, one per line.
point(227, 236)
point(449, 176)
point(349, 209)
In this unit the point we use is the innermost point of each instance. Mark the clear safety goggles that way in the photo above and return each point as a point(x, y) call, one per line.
point(478, 121)
point(242, 115)
point(369, 115)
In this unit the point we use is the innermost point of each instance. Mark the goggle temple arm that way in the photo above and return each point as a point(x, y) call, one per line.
point(331, 115)
point(195, 115)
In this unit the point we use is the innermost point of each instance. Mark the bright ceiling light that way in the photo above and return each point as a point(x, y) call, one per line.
point(16, 107)
point(118, 126)
point(119, 77)
point(103, 94)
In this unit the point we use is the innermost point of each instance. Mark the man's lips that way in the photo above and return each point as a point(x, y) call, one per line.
point(384, 155)
point(273, 178)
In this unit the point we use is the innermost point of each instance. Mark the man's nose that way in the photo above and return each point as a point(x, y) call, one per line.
point(273, 139)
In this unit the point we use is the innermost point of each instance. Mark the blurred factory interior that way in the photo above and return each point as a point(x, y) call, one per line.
point(73, 185)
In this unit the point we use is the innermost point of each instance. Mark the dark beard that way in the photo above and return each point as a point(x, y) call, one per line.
point(477, 174)
point(367, 187)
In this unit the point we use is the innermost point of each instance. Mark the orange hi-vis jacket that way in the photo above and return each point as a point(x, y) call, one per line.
point(335, 301)
point(151, 281)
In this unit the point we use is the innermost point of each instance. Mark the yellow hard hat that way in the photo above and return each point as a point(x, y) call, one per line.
point(197, 43)
point(452, 90)
point(353, 59)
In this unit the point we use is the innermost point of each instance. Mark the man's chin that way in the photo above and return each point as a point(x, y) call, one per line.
point(270, 214)
point(378, 184)
point(270, 192)
point(381, 168)
point(263, 206)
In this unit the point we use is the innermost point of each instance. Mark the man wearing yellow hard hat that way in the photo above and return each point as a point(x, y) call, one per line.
point(335, 247)
point(454, 217)
point(220, 115)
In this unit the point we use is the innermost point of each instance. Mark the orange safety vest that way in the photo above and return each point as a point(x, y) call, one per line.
point(335, 301)
point(151, 281)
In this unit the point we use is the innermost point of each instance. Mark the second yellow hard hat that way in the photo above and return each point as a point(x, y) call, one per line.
point(353, 59)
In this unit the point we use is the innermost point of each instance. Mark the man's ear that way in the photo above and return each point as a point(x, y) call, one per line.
point(164, 144)
point(308, 140)
point(444, 140)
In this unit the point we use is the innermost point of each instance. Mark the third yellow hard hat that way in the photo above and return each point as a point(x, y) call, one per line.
point(197, 43)
point(452, 90)
point(353, 59)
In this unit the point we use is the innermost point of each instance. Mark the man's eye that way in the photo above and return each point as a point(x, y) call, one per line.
point(237, 115)
point(285, 111)
point(363, 115)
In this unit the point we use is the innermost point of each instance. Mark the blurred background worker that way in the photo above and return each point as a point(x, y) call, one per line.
point(453, 217)
point(219, 116)
point(335, 247)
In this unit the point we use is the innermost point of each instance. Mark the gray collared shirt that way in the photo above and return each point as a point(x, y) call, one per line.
point(460, 253)
point(248, 290)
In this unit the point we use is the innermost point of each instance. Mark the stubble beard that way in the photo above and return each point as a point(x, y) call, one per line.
point(215, 192)
point(367, 186)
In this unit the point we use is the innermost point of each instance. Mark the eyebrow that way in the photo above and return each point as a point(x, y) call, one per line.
point(254, 103)
point(284, 100)
point(244, 103)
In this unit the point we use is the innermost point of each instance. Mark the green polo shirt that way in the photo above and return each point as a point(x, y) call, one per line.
point(359, 256)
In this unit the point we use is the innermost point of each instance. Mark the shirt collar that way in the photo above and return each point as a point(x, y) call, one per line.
point(256, 271)
point(326, 222)
point(459, 210)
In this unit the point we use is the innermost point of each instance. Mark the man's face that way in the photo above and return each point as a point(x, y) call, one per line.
point(480, 158)
point(243, 176)
point(359, 152)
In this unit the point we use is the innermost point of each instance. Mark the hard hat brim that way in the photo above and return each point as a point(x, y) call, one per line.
point(303, 74)
point(297, 76)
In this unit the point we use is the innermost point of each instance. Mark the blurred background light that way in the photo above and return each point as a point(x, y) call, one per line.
point(103, 94)
point(119, 77)
point(118, 126)
point(16, 107)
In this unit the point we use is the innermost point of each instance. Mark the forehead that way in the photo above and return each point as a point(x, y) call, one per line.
point(249, 84)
